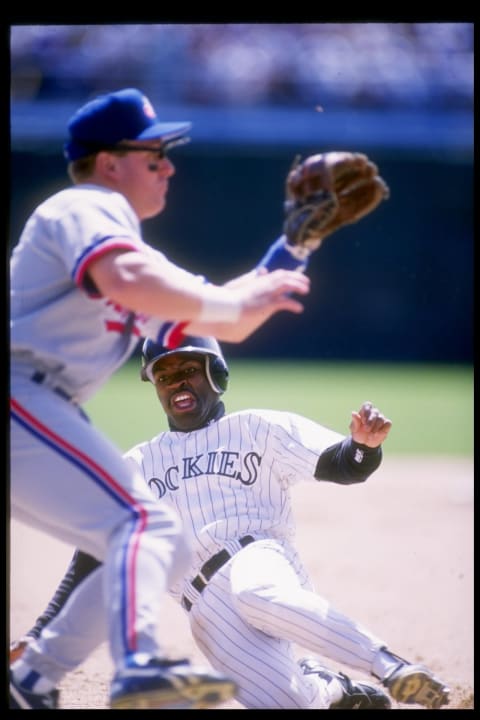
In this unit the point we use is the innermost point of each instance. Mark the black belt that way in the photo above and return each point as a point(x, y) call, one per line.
point(208, 569)
point(40, 377)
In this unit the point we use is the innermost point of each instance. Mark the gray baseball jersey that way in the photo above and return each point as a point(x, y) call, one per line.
point(66, 341)
point(59, 322)
point(229, 481)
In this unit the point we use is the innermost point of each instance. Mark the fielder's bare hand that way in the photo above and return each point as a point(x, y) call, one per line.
point(260, 295)
point(369, 426)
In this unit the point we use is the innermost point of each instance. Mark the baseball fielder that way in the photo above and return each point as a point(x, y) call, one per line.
point(247, 595)
point(85, 287)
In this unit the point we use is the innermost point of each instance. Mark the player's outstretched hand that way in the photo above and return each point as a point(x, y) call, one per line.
point(369, 426)
point(260, 296)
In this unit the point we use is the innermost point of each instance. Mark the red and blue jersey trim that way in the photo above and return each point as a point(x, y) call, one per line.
point(108, 484)
point(171, 334)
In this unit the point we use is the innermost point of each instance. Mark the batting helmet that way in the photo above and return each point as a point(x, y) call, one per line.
point(216, 368)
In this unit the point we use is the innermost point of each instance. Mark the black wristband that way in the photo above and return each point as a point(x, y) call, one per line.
point(348, 462)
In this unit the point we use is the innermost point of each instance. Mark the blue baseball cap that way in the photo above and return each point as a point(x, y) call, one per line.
point(123, 115)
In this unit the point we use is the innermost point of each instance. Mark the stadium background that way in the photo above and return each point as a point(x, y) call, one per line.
point(396, 287)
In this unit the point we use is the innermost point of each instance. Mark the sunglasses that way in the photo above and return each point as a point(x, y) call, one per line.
point(160, 152)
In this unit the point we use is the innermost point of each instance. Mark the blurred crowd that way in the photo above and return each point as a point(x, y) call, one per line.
point(371, 65)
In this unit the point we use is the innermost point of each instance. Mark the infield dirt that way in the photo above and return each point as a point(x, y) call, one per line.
point(395, 553)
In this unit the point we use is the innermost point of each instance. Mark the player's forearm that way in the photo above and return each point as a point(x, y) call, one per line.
point(160, 289)
point(348, 462)
point(278, 255)
point(157, 289)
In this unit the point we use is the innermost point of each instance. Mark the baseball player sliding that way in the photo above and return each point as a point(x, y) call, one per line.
point(246, 593)
point(85, 287)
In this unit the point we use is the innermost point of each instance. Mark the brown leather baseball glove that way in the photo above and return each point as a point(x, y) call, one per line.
point(324, 192)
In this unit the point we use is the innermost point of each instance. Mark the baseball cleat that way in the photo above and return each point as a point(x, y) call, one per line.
point(416, 684)
point(22, 699)
point(169, 685)
point(357, 695)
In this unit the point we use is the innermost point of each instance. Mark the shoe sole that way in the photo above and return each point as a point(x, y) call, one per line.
point(419, 688)
point(197, 697)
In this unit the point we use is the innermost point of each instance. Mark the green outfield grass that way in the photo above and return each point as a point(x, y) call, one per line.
point(431, 406)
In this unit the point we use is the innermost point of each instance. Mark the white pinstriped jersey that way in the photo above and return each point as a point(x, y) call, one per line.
point(59, 323)
point(233, 477)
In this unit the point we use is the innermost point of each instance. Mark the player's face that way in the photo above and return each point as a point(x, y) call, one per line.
point(142, 177)
point(184, 391)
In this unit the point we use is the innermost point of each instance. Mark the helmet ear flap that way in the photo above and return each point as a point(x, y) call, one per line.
point(217, 373)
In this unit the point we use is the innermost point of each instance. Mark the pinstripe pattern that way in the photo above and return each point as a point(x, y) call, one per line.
point(227, 480)
point(233, 477)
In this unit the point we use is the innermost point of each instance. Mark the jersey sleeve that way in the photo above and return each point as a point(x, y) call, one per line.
point(307, 450)
point(106, 223)
point(296, 443)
